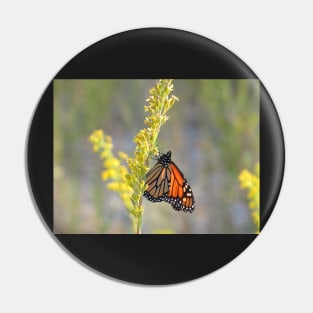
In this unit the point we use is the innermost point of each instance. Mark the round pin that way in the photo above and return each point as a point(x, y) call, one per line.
point(155, 156)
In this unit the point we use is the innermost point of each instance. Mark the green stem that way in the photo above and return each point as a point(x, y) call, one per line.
point(139, 223)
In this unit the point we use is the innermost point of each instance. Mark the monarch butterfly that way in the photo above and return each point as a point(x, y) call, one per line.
point(167, 183)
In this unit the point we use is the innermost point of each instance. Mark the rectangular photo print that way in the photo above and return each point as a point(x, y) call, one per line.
point(167, 156)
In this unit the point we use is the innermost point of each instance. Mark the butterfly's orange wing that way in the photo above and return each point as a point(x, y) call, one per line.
point(180, 195)
point(167, 183)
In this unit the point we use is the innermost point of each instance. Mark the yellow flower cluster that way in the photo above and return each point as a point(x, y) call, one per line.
point(251, 182)
point(160, 102)
point(113, 168)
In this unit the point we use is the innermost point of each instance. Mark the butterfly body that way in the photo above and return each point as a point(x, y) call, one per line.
point(167, 183)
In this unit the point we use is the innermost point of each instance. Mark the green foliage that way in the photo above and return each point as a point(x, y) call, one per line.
point(130, 184)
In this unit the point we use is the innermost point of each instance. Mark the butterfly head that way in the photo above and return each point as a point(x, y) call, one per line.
point(165, 158)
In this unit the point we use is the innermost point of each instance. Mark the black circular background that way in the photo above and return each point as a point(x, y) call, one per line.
point(154, 53)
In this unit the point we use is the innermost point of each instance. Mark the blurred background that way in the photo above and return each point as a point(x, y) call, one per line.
point(213, 133)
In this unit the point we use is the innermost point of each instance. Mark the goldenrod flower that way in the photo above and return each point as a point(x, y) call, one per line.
point(111, 163)
point(251, 182)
